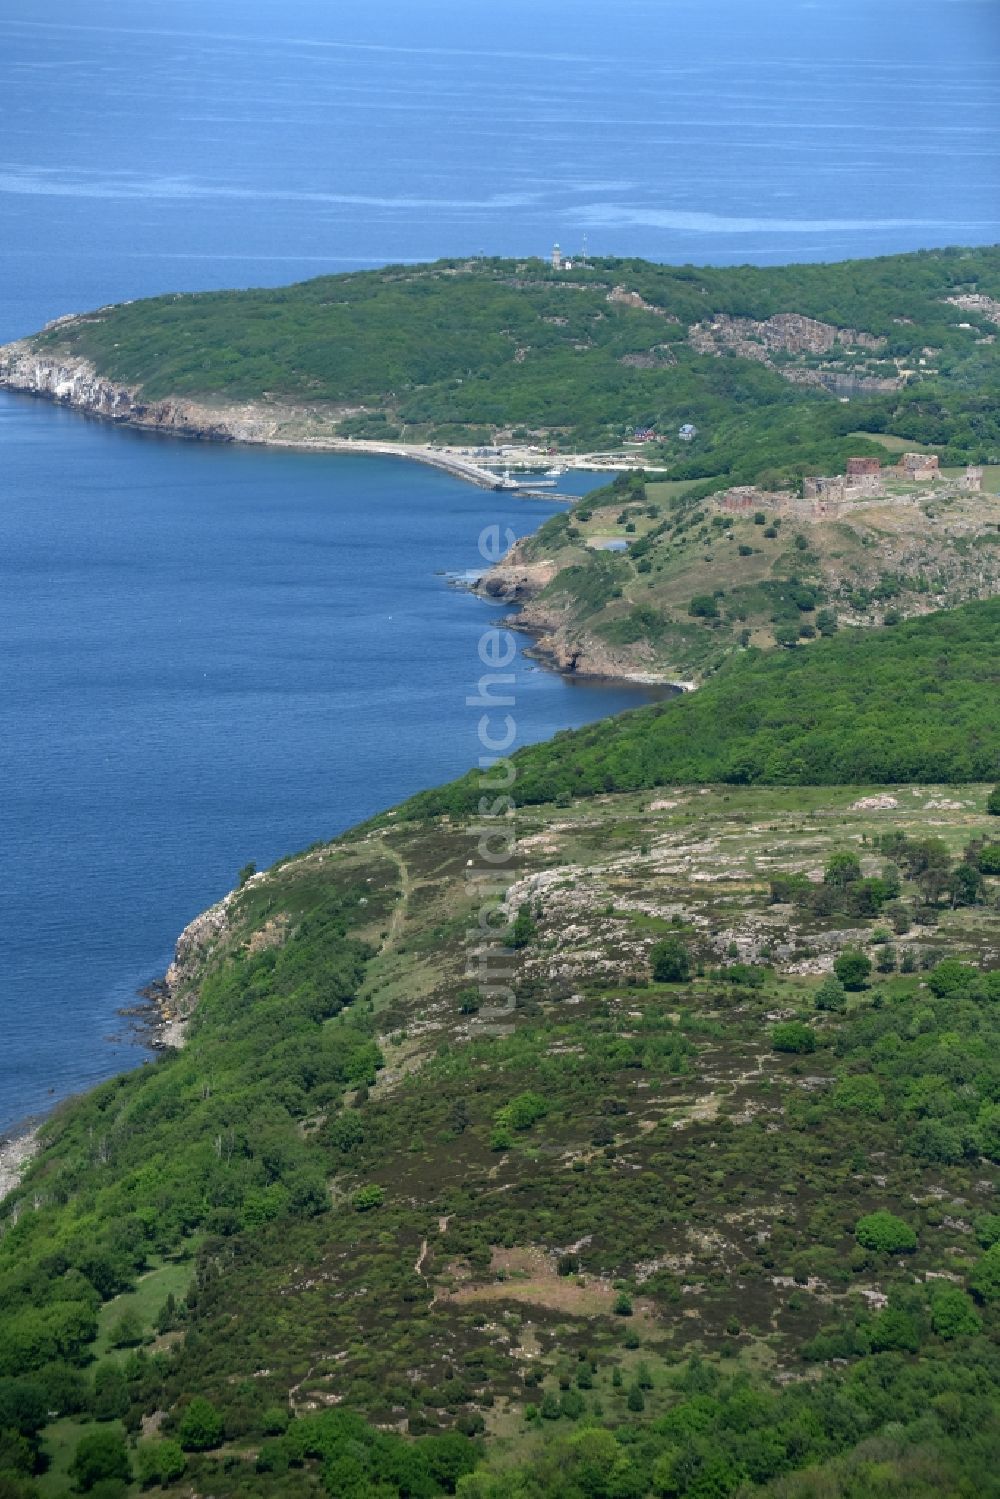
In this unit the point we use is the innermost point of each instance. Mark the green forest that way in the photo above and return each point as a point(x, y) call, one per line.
point(916, 701)
point(463, 350)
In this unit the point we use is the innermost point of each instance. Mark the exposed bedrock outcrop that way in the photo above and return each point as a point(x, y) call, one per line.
point(517, 576)
point(72, 381)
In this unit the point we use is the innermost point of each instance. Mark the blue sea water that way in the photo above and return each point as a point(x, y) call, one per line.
point(210, 655)
point(205, 143)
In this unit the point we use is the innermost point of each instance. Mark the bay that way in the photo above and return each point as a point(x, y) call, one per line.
point(211, 655)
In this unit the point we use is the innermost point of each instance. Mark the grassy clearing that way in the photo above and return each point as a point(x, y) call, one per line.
point(893, 444)
point(59, 1447)
point(163, 1279)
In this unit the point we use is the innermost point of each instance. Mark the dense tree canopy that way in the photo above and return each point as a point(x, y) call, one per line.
point(918, 703)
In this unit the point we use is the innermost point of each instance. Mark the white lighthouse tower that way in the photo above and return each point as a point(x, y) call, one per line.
point(557, 258)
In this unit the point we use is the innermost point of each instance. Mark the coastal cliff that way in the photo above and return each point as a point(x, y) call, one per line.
point(176, 994)
point(71, 380)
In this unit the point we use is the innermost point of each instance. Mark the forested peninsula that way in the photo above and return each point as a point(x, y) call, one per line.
point(713, 1214)
point(773, 369)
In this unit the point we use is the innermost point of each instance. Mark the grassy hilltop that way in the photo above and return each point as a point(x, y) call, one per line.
point(759, 359)
point(708, 1221)
point(698, 582)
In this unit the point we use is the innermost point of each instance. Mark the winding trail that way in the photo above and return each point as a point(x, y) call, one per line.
point(391, 939)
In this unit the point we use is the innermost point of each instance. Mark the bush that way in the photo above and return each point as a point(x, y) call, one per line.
point(951, 978)
point(109, 1398)
point(127, 1331)
point(987, 1226)
point(933, 1140)
point(160, 1462)
point(886, 959)
point(523, 929)
point(993, 802)
point(572, 1404)
point(794, 1036)
point(952, 1314)
point(895, 1331)
point(885, 1233)
point(842, 869)
point(522, 1112)
point(745, 974)
point(984, 1282)
point(275, 1420)
point(965, 885)
point(899, 916)
point(367, 1198)
point(859, 1095)
point(200, 1426)
point(100, 1455)
point(703, 606)
point(670, 961)
point(831, 994)
point(853, 969)
point(23, 1406)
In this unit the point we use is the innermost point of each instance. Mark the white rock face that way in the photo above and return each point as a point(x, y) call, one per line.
point(193, 946)
point(74, 382)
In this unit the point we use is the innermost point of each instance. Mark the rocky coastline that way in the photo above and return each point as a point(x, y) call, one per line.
point(161, 1021)
point(175, 995)
point(520, 580)
point(68, 380)
point(17, 1150)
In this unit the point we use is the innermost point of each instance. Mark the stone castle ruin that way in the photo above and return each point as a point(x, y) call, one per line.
point(830, 494)
point(863, 481)
point(924, 467)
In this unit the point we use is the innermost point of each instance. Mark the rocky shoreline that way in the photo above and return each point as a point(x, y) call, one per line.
point(519, 580)
point(16, 1154)
point(175, 995)
point(160, 1021)
point(68, 380)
